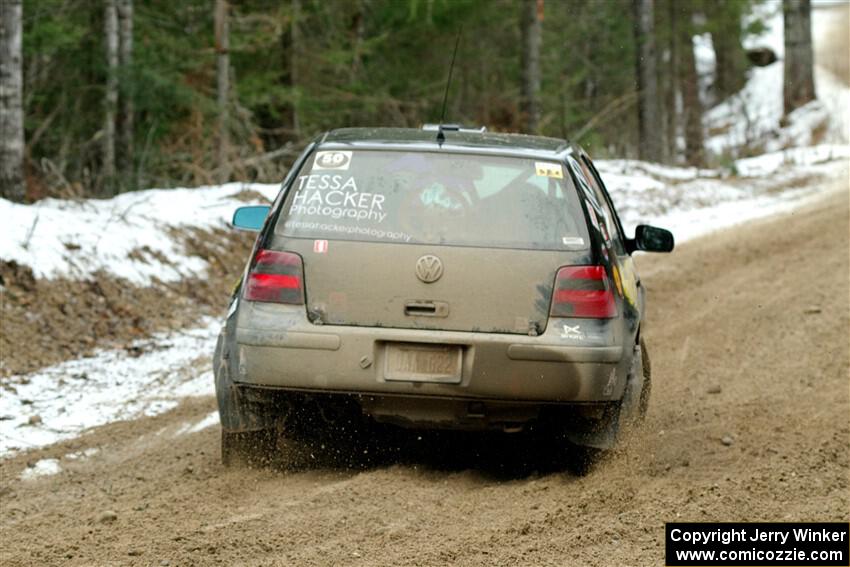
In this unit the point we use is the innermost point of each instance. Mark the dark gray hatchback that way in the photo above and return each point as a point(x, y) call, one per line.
point(482, 281)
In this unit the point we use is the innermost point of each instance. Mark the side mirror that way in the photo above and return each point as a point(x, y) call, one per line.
point(651, 239)
point(250, 218)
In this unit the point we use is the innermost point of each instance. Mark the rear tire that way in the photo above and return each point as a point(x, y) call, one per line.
point(616, 425)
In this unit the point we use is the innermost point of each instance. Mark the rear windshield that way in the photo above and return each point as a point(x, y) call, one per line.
point(434, 198)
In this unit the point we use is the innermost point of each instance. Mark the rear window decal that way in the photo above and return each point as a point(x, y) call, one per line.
point(546, 169)
point(334, 196)
point(362, 231)
point(572, 241)
point(332, 160)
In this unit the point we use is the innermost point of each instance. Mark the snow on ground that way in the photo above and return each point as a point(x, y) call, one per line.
point(208, 421)
point(127, 236)
point(44, 467)
point(754, 117)
point(692, 202)
point(61, 401)
point(51, 466)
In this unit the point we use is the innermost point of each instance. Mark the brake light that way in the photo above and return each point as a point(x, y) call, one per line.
point(583, 291)
point(276, 277)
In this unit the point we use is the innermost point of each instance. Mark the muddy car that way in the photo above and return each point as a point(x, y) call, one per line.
point(465, 280)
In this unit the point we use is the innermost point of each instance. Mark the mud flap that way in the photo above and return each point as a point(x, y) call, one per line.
point(631, 412)
point(620, 418)
point(602, 436)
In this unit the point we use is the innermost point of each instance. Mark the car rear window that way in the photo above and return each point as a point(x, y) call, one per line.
point(435, 198)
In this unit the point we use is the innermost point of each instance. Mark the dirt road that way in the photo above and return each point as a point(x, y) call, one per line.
point(748, 332)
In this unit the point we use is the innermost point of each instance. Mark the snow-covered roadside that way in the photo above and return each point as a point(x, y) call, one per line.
point(693, 202)
point(61, 401)
point(128, 236)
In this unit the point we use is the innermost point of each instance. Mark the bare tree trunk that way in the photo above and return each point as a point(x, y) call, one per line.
point(125, 124)
point(290, 44)
point(672, 99)
point(530, 25)
point(12, 184)
point(799, 83)
point(358, 26)
point(111, 98)
point(294, 56)
point(691, 104)
point(729, 54)
point(649, 112)
point(222, 48)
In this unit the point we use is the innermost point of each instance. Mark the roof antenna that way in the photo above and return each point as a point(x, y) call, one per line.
point(440, 136)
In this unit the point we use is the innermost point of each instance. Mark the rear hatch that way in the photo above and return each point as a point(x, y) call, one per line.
point(432, 240)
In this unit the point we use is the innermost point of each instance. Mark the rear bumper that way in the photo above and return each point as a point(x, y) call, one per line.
point(276, 347)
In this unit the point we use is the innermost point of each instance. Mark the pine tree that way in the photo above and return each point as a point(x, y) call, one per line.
point(222, 49)
point(127, 108)
point(11, 95)
point(110, 19)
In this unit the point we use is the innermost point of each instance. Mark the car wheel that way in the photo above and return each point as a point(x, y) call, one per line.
point(251, 448)
point(591, 443)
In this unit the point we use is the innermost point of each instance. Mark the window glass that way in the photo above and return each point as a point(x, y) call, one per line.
point(586, 178)
point(435, 198)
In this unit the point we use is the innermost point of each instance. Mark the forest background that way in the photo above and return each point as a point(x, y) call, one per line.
point(119, 95)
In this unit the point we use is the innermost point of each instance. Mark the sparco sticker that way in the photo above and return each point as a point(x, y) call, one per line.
point(332, 160)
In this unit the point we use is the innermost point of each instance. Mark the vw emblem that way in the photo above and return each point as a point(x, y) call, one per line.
point(429, 268)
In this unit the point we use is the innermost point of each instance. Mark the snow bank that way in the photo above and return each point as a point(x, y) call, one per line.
point(128, 235)
point(61, 401)
point(692, 202)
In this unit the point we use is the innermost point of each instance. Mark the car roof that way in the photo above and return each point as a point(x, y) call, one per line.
point(455, 140)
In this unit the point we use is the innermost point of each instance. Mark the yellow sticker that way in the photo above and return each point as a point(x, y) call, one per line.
point(546, 169)
point(617, 281)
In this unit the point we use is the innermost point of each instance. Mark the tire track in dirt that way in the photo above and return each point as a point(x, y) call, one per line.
point(760, 313)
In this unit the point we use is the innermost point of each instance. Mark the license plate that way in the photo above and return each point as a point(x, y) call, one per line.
point(423, 363)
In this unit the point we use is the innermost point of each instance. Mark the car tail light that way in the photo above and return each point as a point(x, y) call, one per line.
point(583, 291)
point(276, 277)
